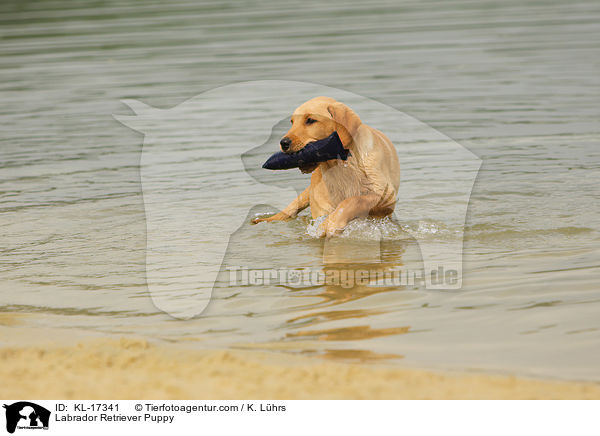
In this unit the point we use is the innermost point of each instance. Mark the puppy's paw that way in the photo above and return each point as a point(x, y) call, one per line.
point(330, 227)
point(263, 219)
point(267, 219)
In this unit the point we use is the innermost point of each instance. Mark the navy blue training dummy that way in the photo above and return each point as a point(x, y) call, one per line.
point(314, 152)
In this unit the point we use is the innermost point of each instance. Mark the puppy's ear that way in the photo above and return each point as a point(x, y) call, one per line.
point(348, 122)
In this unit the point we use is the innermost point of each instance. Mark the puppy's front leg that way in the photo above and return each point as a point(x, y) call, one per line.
point(347, 210)
point(292, 209)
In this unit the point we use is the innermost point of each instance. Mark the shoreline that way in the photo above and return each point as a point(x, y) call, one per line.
point(102, 367)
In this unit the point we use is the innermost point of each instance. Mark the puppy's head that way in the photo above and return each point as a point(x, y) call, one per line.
point(317, 119)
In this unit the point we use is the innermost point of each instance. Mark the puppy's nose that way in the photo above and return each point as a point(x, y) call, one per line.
point(285, 143)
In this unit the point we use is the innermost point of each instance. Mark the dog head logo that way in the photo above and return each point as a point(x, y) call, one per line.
point(26, 415)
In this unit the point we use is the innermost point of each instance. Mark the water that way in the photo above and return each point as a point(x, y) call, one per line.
point(517, 84)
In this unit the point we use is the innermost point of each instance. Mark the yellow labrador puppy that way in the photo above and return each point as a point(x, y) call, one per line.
point(366, 184)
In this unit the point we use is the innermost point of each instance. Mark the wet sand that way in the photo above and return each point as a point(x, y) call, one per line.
point(130, 368)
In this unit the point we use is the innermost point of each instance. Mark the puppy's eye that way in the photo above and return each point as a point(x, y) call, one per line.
point(310, 121)
point(292, 121)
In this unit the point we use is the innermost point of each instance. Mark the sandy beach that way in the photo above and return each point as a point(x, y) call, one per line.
point(101, 367)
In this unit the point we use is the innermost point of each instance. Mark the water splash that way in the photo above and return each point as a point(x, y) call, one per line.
point(370, 229)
